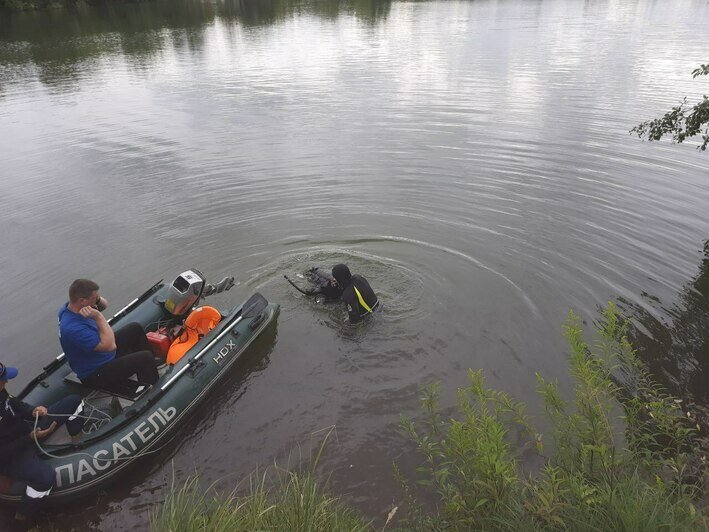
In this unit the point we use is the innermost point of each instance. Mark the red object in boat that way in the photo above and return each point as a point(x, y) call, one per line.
point(159, 343)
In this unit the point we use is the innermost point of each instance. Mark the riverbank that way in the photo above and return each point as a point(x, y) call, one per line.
point(620, 454)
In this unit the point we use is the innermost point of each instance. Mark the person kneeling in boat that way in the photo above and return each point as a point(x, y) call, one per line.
point(20, 425)
point(356, 293)
point(98, 356)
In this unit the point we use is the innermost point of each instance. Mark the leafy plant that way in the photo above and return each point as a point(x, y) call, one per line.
point(682, 122)
point(620, 454)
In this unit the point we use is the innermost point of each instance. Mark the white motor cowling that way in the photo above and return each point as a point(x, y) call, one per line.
point(184, 292)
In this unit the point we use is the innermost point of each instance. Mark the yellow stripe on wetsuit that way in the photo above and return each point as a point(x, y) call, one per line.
point(361, 300)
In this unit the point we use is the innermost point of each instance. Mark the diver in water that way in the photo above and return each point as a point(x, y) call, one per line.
point(356, 293)
point(354, 290)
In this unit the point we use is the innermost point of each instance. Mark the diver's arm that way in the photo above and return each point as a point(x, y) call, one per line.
point(350, 300)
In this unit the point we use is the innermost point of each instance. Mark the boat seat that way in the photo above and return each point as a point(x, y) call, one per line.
point(128, 389)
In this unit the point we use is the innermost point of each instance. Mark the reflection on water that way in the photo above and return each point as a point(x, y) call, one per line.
point(61, 46)
point(57, 41)
point(674, 341)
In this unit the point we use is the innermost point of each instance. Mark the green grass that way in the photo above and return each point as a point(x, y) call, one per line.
point(620, 455)
point(276, 500)
point(295, 502)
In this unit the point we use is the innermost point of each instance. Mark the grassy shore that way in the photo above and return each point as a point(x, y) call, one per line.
point(295, 502)
point(620, 454)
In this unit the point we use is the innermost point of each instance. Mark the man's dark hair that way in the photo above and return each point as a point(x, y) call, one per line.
point(81, 288)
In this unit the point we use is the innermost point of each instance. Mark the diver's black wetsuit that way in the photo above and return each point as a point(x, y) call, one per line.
point(354, 307)
point(354, 284)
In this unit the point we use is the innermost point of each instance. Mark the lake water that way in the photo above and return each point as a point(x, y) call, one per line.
point(470, 158)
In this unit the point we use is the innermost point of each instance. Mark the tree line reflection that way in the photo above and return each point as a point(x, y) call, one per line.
point(59, 45)
point(676, 347)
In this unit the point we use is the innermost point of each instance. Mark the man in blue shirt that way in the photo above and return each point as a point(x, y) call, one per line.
point(98, 356)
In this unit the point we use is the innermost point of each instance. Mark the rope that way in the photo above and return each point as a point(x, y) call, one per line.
point(98, 423)
point(81, 453)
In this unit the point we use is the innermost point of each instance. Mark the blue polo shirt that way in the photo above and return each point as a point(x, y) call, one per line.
point(79, 336)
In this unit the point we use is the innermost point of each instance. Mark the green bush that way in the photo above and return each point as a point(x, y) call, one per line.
point(621, 453)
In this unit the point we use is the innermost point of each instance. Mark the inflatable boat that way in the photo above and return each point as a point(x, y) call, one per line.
point(195, 347)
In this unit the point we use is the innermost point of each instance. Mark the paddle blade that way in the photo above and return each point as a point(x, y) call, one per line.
point(253, 306)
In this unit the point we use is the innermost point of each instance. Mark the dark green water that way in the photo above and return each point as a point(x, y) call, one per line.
point(471, 159)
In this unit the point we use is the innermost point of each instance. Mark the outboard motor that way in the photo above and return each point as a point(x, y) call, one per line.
point(184, 292)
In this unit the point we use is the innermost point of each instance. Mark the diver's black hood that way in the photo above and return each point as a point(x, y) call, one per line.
point(342, 274)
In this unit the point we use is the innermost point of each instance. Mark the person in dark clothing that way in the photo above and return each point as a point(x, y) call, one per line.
point(98, 356)
point(18, 452)
point(322, 284)
point(356, 293)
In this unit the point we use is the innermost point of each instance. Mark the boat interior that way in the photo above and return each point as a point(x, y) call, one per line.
point(173, 325)
point(170, 340)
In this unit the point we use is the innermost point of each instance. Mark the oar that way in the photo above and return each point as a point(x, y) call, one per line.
point(253, 307)
point(299, 289)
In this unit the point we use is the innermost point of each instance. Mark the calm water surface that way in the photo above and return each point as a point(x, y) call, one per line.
point(471, 159)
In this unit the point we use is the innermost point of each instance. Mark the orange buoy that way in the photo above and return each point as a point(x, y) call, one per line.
point(200, 321)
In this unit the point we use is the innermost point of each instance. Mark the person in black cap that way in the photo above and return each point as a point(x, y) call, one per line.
point(356, 293)
point(18, 452)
